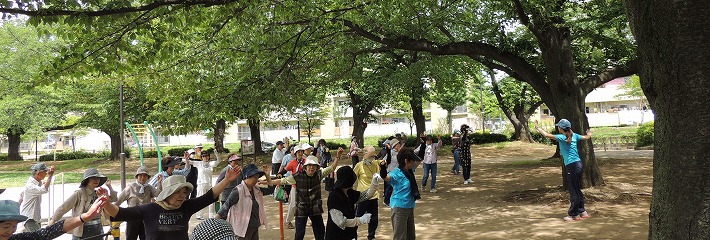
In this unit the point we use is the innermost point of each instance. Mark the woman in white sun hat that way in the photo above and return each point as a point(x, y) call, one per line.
point(308, 195)
point(168, 217)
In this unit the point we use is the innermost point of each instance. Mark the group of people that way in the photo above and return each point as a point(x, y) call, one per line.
point(161, 207)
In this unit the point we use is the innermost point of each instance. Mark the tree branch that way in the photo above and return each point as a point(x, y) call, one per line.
point(48, 12)
point(592, 82)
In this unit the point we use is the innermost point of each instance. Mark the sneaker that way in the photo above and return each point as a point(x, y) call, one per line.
point(289, 225)
point(571, 218)
point(433, 190)
point(584, 214)
point(465, 182)
point(469, 180)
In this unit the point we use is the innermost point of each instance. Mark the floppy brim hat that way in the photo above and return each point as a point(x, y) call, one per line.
point(213, 229)
point(172, 163)
point(393, 142)
point(199, 145)
point(172, 184)
point(251, 170)
point(10, 211)
point(297, 148)
point(234, 158)
point(93, 172)
point(142, 170)
point(306, 146)
point(311, 160)
point(345, 177)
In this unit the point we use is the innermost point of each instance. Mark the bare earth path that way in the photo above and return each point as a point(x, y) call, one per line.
point(516, 194)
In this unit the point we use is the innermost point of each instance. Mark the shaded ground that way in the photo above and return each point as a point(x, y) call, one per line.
point(516, 195)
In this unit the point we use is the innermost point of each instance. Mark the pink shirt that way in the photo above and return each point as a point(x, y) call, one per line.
point(240, 212)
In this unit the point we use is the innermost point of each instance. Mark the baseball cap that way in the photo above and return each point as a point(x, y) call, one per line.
point(564, 123)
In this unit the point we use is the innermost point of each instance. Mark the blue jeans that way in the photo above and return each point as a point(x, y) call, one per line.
point(574, 184)
point(316, 224)
point(427, 169)
point(457, 162)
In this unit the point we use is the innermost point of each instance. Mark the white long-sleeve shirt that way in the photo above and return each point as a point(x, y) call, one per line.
point(278, 155)
point(430, 152)
point(31, 199)
point(204, 171)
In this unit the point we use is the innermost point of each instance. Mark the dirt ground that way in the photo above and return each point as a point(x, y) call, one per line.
point(516, 194)
point(521, 201)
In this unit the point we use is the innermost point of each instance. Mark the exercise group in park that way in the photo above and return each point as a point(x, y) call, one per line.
point(160, 206)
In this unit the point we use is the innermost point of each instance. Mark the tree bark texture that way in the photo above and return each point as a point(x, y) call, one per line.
point(256, 134)
point(674, 48)
point(416, 102)
point(219, 128)
point(115, 140)
point(13, 140)
point(361, 111)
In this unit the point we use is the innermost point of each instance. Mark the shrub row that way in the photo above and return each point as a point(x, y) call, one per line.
point(644, 135)
point(477, 138)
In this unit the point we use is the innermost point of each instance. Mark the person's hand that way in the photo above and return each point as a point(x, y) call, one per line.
point(101, 192)
point(266, 169)
point(365, 218)
point(589, 132)
point(160, 178)
point(376, 178)
point(186, 155)
point(50, 172)
point(340, 151)
point(217, 216)
point(95, 208)
point(233, 174)
point(108, 183)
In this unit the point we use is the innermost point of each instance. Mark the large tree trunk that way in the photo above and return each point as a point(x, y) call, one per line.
point(449, 120)
point(359, 126)
point(219, 129)
point(674, 48)
point(256, 134)
point(569, 96)
point(13, 140)
point(416, 102)
point(115, 140)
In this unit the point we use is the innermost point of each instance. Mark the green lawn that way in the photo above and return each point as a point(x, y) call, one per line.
point(18, 179)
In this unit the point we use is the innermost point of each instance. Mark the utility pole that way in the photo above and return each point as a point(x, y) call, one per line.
point(123, 154)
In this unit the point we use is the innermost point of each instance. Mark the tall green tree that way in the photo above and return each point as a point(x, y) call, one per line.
point(28, 108)
point(518, 102)
point(674, 50)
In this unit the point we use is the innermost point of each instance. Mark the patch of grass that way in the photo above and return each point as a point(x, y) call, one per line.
point(18, 179)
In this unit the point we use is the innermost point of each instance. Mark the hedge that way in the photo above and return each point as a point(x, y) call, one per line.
point(152, 154)
point(477, 137)
point(178, 151)
point(3, 157)
point(644, 135)
point(70, 156)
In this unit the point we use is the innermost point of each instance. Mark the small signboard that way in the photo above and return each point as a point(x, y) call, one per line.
point(247, 147)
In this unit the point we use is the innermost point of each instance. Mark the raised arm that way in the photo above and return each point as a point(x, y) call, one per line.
point(94, 211)
point(231, 175)
point(543, 132)
point(588, 135)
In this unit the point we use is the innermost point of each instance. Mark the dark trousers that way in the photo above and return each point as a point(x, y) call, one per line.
point(135, 229)
point(356, 160)
point(369, 206)
point(388, 193)
point(316, 224)
point(574, 184)
point(466, 171)
point(275, 168)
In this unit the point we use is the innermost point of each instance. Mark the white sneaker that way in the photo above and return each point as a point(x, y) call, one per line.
point(465, 182)
point(433, 190)
point(469, 180)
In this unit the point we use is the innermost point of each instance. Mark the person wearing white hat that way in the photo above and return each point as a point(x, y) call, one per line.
point(308, 195)
point(137, 193)
point(10, 216)
point(80, 202)
point(294, 166)
point(32, 195)
point(169, 216)
point(204, 181)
